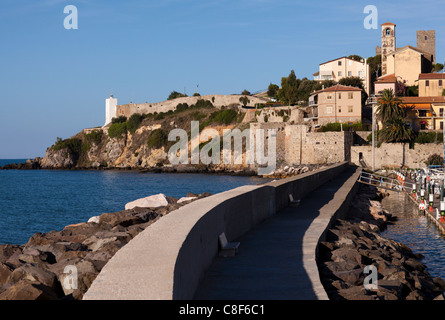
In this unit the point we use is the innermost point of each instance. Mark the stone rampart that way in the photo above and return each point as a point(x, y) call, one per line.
point(395, 155)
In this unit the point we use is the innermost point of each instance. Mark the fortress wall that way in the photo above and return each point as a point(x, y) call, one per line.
point(296, 146)
point(165, 106)
point(394, 155)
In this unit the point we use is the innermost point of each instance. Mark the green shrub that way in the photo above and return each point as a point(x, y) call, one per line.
point(94, 136)
point(337, 126)
point(157, 139)
point(134, 122)
point(224, 116)
point(198, 115)
point(206, 104)
point(182, 107)
point(434, 160)
point(120, 119)
point(74, 145)
point(116, 130)
point(429, 137)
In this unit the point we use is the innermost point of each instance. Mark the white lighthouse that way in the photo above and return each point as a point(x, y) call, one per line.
point(110, 109)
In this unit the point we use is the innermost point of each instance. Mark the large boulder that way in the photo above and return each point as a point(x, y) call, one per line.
point(27, 290)
point(154, 201)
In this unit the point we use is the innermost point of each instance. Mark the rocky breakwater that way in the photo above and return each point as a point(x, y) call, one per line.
point(63, 264)
point(355, 242)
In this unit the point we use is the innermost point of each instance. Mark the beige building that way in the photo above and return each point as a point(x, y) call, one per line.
point(426, 113)
point(431, 84)
point(408, 62)
point(337, 104)
point(342, 68)
point(385, 82)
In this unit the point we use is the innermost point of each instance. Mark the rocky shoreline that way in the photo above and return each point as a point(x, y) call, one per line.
point(355, 242)
point(37, 269)
point(281, 172)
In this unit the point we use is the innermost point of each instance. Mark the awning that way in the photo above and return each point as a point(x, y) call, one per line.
point(421, 106)
point(326, 73)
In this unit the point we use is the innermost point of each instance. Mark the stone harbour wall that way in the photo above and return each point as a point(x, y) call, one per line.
point(395, 155)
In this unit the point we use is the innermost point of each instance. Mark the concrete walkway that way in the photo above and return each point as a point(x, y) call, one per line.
point(276, 260)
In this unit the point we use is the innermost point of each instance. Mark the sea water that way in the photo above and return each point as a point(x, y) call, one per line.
point(43, 200)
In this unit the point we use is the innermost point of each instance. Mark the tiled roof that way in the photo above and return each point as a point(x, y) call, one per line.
point(388, 24)
point(390, 78)
point(429, 76)
point(338, 87)
point(414, 100)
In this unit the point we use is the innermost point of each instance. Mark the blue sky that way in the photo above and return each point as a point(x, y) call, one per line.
point(53, 81)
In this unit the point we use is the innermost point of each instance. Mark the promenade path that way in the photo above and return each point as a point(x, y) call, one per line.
point(276, 259)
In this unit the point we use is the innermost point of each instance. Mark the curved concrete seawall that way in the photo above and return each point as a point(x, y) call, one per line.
point(168, 259)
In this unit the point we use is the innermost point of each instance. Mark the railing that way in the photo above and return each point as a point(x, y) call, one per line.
point(385, 182)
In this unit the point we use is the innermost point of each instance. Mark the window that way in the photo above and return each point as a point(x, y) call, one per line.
point(360, 74)
point(349, 63)
point(388, 31)
point(339, 74)
point(339, 108)
point(426, 38)
point(328, 109)
point(427, 83)
point(440, 83)
point(422, 113)
point(350, 108)
point(349, 73)
point(329, 96)
point(441, 125)
point(339, 95)
point(350, 95)
point(441, 112)
point(339, 63)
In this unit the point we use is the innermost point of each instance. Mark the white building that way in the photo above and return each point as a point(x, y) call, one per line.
point(342, 68)
point(110, 109)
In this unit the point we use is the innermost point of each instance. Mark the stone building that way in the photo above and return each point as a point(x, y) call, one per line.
point(337, 104)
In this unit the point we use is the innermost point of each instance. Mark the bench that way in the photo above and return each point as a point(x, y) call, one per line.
point(292, 202)
point(228, 249)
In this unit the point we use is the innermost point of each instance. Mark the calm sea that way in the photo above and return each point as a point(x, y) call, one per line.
point(43, 200)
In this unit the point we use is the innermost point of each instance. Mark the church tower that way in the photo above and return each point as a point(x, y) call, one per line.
point(388, 43)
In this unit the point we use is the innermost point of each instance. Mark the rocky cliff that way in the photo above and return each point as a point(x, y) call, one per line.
point(141, 142)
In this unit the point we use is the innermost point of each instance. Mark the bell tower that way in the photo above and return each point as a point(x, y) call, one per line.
point(388, 43)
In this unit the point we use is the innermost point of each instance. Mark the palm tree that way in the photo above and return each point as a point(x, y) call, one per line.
point(389, 107)
point(396, 130)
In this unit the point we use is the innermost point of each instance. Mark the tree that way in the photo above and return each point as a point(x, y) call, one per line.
point(388, 107)
point(437, 67)
point(244, 100)
point(289, 87)
point(272, 90)
point(355, 57)
point(175, 94)
point(245, 92)
point(355, 82)
point(396, 130)
point(375, 67)
point(443, 92)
